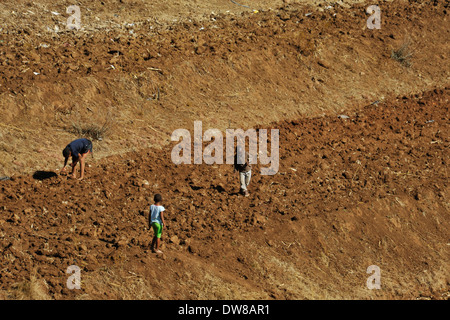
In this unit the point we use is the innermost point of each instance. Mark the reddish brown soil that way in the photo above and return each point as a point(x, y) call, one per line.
point(369, 190)
point(350, 193)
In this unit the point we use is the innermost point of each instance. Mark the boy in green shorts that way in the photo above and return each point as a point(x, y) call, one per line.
point(156, 221)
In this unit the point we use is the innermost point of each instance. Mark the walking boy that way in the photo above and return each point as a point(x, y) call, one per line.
point(78, 149)
point(244, 168)
point(156, 221)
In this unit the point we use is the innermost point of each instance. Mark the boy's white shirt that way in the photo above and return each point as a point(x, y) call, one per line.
point(156, 218)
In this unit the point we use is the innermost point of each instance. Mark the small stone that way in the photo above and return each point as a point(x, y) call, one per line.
point(175, 240)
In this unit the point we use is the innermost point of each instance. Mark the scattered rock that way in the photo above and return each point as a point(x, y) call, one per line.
point(174, 239)
point(192, 248)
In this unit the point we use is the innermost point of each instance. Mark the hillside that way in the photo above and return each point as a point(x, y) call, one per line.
point(364, 150)
point(368, 190)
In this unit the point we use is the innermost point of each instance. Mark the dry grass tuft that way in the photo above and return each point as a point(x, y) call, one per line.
point(92, 130)
point(403, 54)
point(32, 289)
point(120, 285)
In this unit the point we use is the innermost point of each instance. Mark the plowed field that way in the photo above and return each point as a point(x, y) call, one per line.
point(364, 151)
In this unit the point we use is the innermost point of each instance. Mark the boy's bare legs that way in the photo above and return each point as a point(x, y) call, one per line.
point(82, 160)
point(156, 241)
point(74, 164)
point(153, 244)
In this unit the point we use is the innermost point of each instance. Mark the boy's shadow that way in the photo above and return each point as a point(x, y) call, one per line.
point(221, 189)
point(42, 175)
point(218, 188)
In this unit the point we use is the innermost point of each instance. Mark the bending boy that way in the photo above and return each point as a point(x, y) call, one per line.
point(78, 149)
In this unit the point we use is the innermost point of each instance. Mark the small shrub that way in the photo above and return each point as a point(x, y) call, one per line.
point(403, 54)
point(92, 130)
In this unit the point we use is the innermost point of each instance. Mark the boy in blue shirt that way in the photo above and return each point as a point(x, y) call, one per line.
point(78, 149)
point(156, 221)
